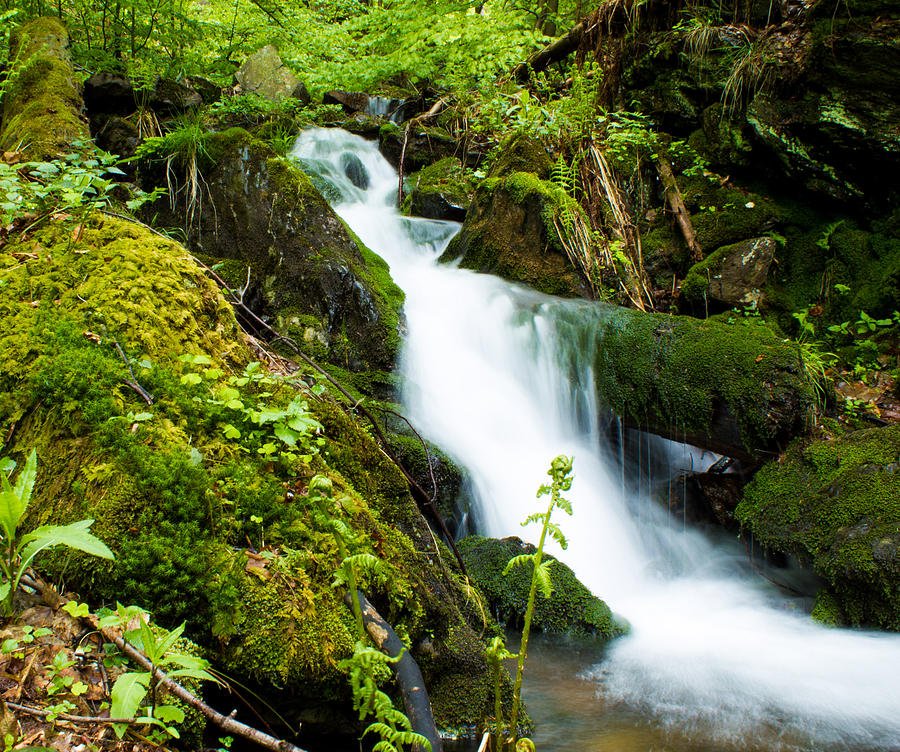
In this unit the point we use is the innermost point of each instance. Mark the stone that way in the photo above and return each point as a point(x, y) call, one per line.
point(355, 170)
point(264, 74)
point(116, 135)
point(171, 97)
point(110, 93)
point(734, 274)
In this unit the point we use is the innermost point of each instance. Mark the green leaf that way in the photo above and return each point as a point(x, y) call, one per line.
point(518, 561)
point(542, 575)
point(127, 694)
point(191, 378)
point(169, 714)
point(286, 435)
point(14, 500)
point(75, 535)
point(230, 431)
point(76, 609)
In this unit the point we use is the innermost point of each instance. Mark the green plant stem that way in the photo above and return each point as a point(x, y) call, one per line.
point(529, 611)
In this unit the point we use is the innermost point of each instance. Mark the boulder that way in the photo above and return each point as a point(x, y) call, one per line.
point(264, 74)
point(117, 135)
point(110, 93)
point(424, 146)
point(733, 275)
point(185, 503)
point(307, 272)
point(835, 504)
point(571, 608)
point(355, 170)
point(509, 231)
point(172, 96)
point(351, 101)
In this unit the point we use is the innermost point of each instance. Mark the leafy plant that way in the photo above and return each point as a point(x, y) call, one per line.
point(133, 687)
point(560, 473)
point(18, 551)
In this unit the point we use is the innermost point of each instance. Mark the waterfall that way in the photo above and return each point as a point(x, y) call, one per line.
point(500, 378)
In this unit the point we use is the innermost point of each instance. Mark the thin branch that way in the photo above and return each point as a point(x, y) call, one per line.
point(226, 723)
point(74, 718)
point(145, 395)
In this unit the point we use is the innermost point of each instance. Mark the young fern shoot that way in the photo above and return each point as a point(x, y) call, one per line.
point(560, 473)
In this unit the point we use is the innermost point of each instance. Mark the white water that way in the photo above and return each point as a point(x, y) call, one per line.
point(497, 376)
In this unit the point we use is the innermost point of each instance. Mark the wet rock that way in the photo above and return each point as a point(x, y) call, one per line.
point(441, 191)
point(733, 275)
point(355, 170)
point(300, 92)
point(508, 231)
point(351, 101)
point(264, 74)
point(424, 146)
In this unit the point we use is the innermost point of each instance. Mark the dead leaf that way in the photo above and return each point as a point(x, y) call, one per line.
point(93, 337)
point(759, 358)
point(77, 233)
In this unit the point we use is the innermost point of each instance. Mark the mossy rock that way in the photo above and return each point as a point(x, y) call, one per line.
point(835, 504)
point(179, 498)
point(732, 275)
point(424, 146)
point(307, 271)
point(571, 608)
point(520, 153)
point(441, 191)
point(42, 105)
point(510, 231)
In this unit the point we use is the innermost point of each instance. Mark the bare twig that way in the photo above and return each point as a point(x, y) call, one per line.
point(400, 166)
point(74, 718)
point(133, 383)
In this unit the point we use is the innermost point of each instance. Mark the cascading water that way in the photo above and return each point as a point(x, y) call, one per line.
point(500, 378)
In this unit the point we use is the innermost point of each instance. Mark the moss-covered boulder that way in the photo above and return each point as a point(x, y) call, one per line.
point(440, 191)
point(511, 231)
point(835, 504)
point(42, 104)
point(571, 608)
point(213, 481)
point(294, 258)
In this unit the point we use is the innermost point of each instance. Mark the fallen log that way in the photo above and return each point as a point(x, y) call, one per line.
point(42, 105)
point(736, 389)
point(412, 685)
point(552, 53)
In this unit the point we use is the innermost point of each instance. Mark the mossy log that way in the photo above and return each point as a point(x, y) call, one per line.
point(736, 389)
point(42, 104)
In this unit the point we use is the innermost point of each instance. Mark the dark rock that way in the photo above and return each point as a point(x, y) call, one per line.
point(733, 275)
point(208, 91)
point(307, 271)
point(571, 608)
point(117, 136)
point(424, 146)
point(171, 97)
point(300, 92)
point(110, 93)
point(355, 170)
point(264, 74)
point(835, 504)
point(351, 101)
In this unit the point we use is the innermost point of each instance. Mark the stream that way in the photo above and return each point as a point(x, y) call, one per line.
point(500, 378)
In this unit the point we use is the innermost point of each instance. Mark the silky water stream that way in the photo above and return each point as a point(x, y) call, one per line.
point(500, 377)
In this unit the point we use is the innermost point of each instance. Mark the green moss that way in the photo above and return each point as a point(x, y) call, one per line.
point(445, 181)
point(827, 610)
point(42, 104)
point(836, 504)
point(570, 608)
